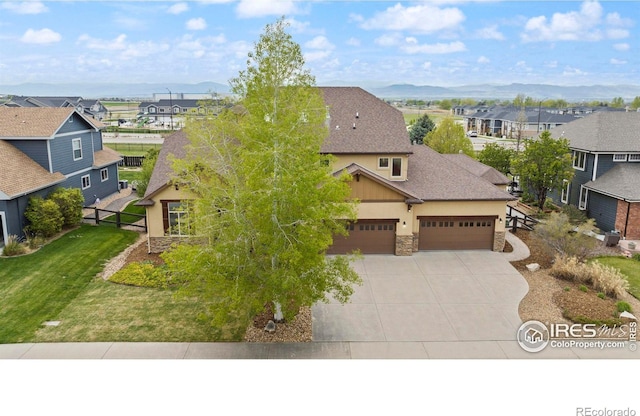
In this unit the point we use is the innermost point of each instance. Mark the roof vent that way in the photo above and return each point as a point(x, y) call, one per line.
point(337, 127)
point(357, 115)
point(354, 126)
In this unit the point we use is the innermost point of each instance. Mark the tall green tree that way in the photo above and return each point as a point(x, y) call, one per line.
point(148, 164)
point(496, 156)
point(420, 128)
point(635, 104)
point(449, 137)
point(543, 165)
point(267, 203)
point(617, 102)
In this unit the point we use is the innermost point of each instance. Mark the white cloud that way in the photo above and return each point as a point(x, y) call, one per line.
point(426, 65)
point(196, 24)
point(570, 71)
point(490, 32)
point(388, 39)
point(24, 7)
point(119, 43)
point(259, 8)
point(614, 61)
point(353, 42)
point(483, 60)
point(412, 47)
point(621, 47)
point(320, 47)
point(587, 24)
point(42, 36)
point(319, 42)
point(423, 18)
point(178, 8)
point(551, 64)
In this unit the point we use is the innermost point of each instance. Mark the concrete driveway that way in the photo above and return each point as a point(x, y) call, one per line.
point(429, 297)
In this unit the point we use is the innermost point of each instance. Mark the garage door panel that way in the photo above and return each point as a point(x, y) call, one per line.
point(369, 236)
point(456, 233)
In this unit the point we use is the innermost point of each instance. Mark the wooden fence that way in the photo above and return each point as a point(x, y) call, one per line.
point(131, 161)
point(116, 217)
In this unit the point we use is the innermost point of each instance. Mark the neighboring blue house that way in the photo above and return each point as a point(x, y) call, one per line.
point(43, 148)
point(606, 159)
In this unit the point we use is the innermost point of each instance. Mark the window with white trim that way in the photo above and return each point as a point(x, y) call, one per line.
point(634, 157)
point(579, 159)
point(396, 167)
point(620, 157)
point(178, 219)
point(77, 148)
point(584, 193)
point(383, 163)
point(86, 181)
point(564, 197)
point(104, 174)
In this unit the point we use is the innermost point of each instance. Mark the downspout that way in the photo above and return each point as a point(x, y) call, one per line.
point(626, 221)
point(595, 168)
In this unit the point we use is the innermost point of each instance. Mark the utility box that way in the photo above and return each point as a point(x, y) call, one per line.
point(124, 184)
point(611, 239)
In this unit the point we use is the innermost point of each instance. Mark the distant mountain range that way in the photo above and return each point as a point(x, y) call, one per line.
point(398, 91)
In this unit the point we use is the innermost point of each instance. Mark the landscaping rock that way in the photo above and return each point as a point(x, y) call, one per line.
point(270, 327)
point(533, 267)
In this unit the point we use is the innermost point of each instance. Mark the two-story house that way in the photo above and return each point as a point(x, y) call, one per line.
point(90, 107)
point(42, 148)
point(411, 197)
point(606, 159)
point(173, 112)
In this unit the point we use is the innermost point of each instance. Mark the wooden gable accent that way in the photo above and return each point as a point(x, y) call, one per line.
point(368, 190)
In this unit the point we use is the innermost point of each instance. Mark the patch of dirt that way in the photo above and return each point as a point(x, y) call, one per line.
point(547, 298)
point(139, 253)
point(299, 330)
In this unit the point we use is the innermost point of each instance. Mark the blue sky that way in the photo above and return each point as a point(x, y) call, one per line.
point(437, 42)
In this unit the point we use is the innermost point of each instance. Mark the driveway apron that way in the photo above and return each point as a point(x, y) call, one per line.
point(430, 296)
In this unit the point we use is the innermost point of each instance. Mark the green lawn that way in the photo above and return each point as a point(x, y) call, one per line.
point(37, 287)
point(129, 174)
point(628, 267)
point(131, 208)
point(59, 283)
point(132, 149)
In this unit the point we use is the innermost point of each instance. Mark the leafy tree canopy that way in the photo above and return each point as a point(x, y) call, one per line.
point(449, 137)
point(267, 203)
point(420, 128)
point(496, 156)
point(543, 165)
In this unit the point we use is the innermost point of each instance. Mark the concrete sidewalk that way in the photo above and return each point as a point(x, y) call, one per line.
point(308, 350)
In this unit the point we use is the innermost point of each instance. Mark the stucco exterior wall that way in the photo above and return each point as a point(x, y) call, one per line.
point(154, 212)
point(370, 162)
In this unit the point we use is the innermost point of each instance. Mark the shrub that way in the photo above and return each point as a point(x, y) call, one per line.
point(601, 295)
point(602, 278)
point(13, 247)
point(636, 257)
point(143, 274)
point(623, 307)
point(576, 216)
point(70, 201)
point(44, 217)
point(566, 238)
point(583, 288)
point(35, 241)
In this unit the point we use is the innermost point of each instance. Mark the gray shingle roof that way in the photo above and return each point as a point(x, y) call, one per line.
point(176, 145)
point(433, 178)
point(622, 182)
point(478, 169)
point(603, 132)
point(379, 128)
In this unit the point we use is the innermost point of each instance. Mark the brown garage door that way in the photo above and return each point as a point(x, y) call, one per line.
point(456, 233)
point(370, 236)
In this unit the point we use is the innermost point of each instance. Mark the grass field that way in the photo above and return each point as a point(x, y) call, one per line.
point(628, 267)
point(59, 283)
point(132, 149)
point(37, 287)
point(129, 174)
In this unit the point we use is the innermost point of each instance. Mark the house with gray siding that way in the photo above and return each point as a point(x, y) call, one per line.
point(606, 158)
point(93, 108)
point(44, 148)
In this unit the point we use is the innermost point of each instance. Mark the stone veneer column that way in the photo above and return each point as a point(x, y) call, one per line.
point(416, 240)
point(404, 245)
point(499, 238)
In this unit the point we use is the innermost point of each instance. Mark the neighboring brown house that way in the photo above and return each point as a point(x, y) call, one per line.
point(411, 197)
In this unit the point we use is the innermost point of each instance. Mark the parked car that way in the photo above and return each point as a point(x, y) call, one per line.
point(472, 133)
